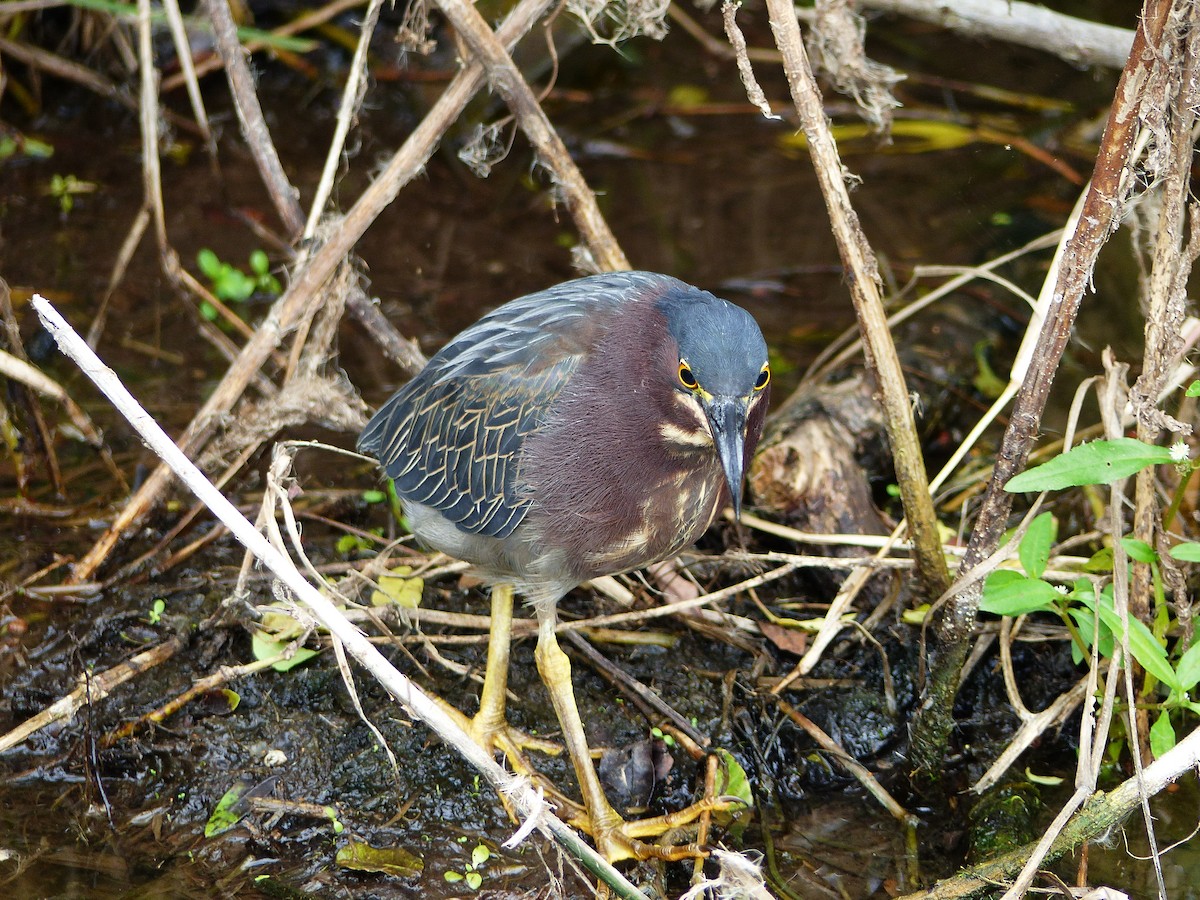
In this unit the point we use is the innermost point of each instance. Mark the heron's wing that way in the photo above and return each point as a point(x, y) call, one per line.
point(451, 439)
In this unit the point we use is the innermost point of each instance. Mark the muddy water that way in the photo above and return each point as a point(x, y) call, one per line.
point(691, 188)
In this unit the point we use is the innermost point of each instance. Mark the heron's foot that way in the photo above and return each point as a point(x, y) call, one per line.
point(494, 733)
point(617, 839)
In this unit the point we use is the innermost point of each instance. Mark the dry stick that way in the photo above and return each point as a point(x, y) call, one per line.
point(849, 763)
point(71, 71)
point(412, 698)
point(352, 95)
point(741, 56)
point(932, 724)
point(92, 690)
point(183, 52)
point(291, 307)
point(863, 275)
point(254, 126)
point(223, 676)
point(507, 81)
point(1076, 40)
point(148, 118)
point(1033, 726)
point(17, 369)
point(29, 376)
point(132, 239)
point(309, 20)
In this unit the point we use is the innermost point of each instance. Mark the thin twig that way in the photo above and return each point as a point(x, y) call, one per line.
point(352, 95)
point(849, 763)
point(187, 67)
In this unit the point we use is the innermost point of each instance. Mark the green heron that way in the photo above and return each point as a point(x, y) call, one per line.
point(585, 430)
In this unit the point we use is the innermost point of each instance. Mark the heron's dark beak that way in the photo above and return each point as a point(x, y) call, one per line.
point(727, 419)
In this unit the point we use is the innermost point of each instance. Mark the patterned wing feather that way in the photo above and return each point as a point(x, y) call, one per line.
point(451, 438)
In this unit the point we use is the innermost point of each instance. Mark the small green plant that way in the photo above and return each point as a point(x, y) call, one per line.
point(667, 739)
point(233, 285)
point(154, 616)
point(1085, 605)
point(65, 188)
point(470, 873)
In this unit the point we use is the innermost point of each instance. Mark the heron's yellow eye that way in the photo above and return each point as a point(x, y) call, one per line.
point(686, 378)
point(764, 378)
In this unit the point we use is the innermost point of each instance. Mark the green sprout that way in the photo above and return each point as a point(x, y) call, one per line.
point(65, 188)
point(232, 284)
point(470, 873)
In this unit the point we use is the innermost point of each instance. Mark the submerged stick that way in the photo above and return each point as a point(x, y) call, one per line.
point(415, 702)
point(1098, 817)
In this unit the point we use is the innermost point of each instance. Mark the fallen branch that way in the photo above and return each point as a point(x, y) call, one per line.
point(507, 81)
point(1097, 817)
point(1031, 25)
point(93, 689)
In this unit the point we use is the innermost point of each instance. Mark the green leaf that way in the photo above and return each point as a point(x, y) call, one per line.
point(1188, 670)
point(732, 780)
point(1048, 780)
point(1035, 546)
point(362, 857)
point(228, 811)
point(1009, 593)
point(398, 589)
point(1189, 552)
point(209, 263)
point(1096, 463)
point(332, 814)
point(373, 496)
point(474, 880)
point(1139, 551)
point(233, 285)
point(1162, 735)
point(1101, 562)
point(453, 877)
point(263, 647)
point(986, 381)
point(480, 855)
point(259, 264)
point(1085, 622)
point(1193, 389)
point(1145, 648)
